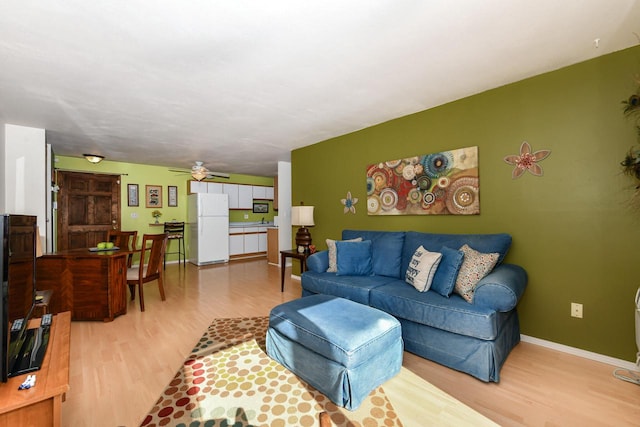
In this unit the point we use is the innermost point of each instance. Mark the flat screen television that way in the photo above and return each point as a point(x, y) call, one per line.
point(18, 234)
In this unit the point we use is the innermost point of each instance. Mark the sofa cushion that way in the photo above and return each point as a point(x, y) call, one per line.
point(355, 288)
point(451, 314)
point(422, 268)
point(475, 266)
point(331, 247)
point(354, 258)
point(434, 242)
point(447, 272)
point(386, 251)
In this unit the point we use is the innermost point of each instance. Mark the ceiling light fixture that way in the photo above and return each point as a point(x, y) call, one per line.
point(199, 172)
point(93, 158)
point(199, 175)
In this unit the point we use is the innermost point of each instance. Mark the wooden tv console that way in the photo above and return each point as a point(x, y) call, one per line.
point(40, 405)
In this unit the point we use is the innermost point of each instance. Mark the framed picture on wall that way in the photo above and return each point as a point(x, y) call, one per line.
point(172, 198)
point(260, 207)
point(132, 195)
point(154, 196)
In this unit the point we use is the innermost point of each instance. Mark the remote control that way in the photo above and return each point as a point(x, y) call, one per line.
point(46, 320)
point(17, 325)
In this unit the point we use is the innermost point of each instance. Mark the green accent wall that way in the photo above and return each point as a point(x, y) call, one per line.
point(573, 228)
point(159, 175)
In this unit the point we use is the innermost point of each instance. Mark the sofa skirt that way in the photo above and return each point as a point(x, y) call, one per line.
point(346, 387)
point(480, 358)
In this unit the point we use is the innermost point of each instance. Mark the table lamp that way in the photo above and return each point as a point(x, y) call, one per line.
point(302, 216)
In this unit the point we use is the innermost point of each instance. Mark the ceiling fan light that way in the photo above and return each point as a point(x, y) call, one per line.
point(199, 175)
point(93, 158)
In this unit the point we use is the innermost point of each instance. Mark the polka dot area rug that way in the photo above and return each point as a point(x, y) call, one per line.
point(228, 380)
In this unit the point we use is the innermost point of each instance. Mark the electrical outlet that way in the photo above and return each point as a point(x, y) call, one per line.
point(246, 216)
point(134, 215)
point(576, 310)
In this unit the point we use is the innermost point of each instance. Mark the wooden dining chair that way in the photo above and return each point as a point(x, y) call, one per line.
point(125, 240)
point(150, 267)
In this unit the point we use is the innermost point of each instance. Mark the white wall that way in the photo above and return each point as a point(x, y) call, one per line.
point(3, 169)
point(25, 186)
point(284, 206)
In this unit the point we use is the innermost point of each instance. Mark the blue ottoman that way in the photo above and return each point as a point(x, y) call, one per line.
point(342, 348)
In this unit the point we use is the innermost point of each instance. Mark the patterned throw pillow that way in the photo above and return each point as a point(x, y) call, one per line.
point(331, 245)
point(422, 268)
point(474, 267)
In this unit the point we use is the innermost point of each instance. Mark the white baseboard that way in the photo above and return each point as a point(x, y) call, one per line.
point(581, 353)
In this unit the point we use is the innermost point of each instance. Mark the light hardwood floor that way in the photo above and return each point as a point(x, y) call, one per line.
point(118, 369)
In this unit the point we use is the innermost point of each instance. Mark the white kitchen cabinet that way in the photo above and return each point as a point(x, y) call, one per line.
point(214, 188)
point(262, 242)
point(269, 193)
point(232, 191)
point(250, 240)
point(236, 244)
point(245, 196)
point(259, 192)
point(197, 187)
point(251, 243)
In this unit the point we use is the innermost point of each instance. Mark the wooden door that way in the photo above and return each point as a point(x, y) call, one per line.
point(88, 207)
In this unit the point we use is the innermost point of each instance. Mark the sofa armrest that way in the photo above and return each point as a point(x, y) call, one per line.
point(318, 262)
point(502, 288)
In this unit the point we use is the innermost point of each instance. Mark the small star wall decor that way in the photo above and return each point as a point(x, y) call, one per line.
point(349, 203)
point(527, 161)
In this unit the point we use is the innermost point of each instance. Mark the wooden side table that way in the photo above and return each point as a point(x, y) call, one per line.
point(291, 254)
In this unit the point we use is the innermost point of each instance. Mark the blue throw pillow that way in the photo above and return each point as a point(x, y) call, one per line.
point(386, 250)
point(445, 278)
point(354, 258)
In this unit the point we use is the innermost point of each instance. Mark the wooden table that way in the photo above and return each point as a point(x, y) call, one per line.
point(41, 405)
point(91, 285)
point(302, 256)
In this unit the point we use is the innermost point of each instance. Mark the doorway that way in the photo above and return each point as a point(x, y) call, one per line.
point(88, 207)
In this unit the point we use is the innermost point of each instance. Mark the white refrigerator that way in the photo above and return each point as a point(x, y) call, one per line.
point(208, 219)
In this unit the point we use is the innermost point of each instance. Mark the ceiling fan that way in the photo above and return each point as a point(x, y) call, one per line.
point(200, 172)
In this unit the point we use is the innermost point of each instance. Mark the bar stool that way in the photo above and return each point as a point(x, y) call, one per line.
point(175, 231)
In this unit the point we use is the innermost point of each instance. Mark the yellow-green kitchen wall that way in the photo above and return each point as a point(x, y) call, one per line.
point(139, 217)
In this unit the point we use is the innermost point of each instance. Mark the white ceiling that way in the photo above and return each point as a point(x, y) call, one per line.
point(238, 84)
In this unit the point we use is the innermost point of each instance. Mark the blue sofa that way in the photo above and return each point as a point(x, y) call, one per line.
point(475, 337)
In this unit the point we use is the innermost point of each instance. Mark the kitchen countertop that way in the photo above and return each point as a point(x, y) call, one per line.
point(250, 224)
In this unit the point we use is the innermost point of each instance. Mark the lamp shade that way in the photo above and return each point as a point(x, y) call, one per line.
point(302, 216)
